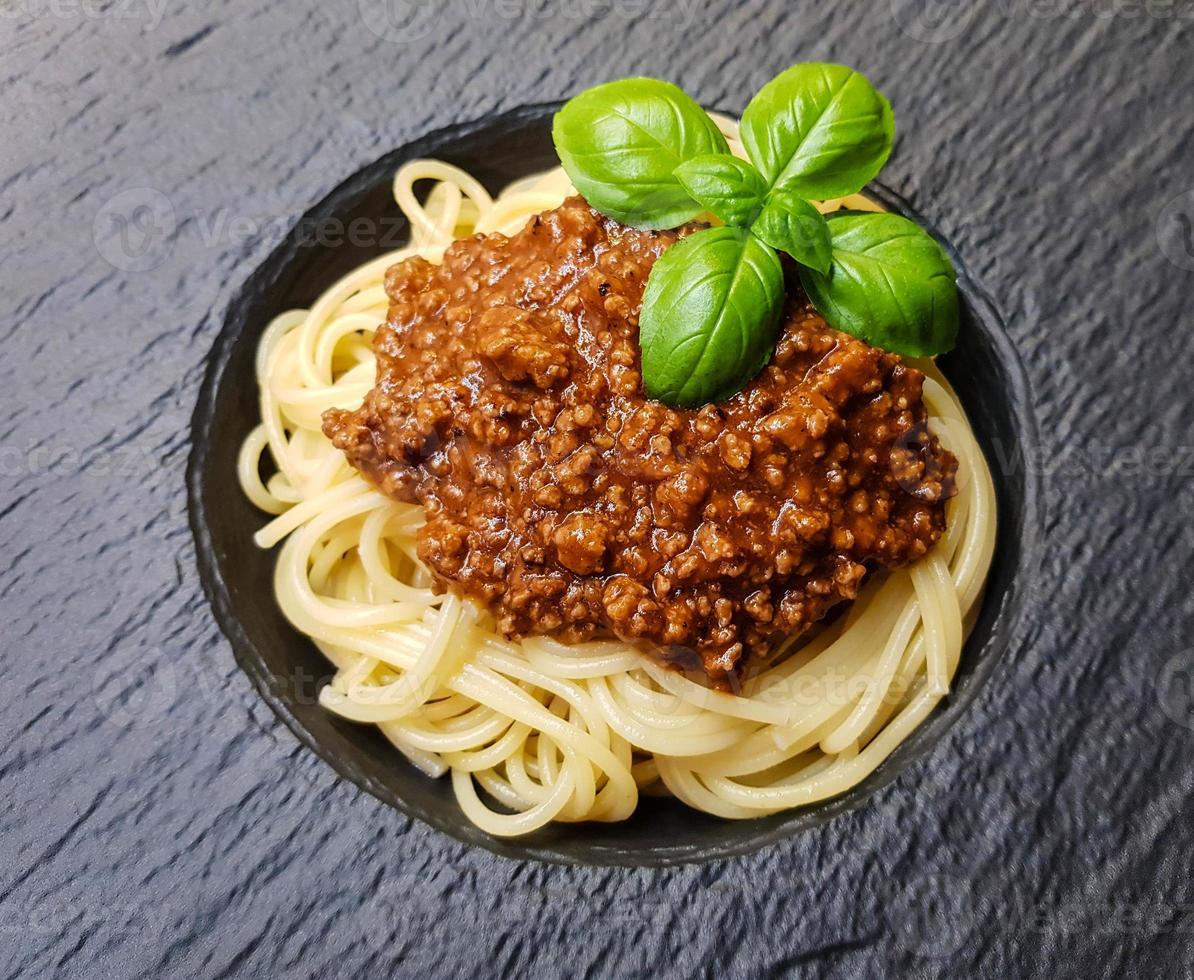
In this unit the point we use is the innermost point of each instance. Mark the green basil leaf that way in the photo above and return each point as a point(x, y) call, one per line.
point(790, 224)
point(621, 142)
point(710, 316)
point(725, 186)
point(890, 284)
point(819, 130)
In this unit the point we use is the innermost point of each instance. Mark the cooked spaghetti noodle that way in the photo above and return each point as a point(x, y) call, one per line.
point(569, 733)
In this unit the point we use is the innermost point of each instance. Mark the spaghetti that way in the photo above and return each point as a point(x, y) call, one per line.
point(551, 732)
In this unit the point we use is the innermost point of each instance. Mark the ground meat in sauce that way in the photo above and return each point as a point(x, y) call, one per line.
point(509, 403)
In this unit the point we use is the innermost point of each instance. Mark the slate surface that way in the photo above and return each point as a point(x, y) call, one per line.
point(158, 821)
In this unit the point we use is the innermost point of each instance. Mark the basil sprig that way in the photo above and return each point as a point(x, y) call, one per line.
point(644, 153)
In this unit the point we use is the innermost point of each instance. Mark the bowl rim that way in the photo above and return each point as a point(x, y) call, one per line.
point(755, 834)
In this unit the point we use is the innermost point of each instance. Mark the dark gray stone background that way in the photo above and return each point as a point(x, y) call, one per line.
point(157, 820)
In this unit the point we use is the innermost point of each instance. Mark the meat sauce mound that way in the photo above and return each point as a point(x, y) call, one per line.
point(509, 404)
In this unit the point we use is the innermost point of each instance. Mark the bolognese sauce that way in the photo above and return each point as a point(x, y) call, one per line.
point(509, 403)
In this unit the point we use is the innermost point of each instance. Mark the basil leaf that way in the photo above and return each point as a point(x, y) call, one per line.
point(790, 224)
point(621, 142)
point(710, 316)
point(819, 130)
point(890, 284)
point(725, 186)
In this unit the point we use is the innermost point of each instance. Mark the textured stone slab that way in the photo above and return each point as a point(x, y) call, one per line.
point(158, 821)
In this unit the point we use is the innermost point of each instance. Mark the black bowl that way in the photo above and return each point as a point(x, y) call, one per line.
point(359, 220)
